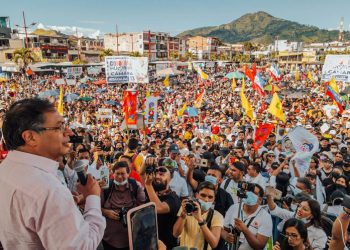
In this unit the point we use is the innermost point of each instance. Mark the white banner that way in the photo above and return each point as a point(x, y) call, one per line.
point(94, 70)
point(74, 71)
point(305, 144)
point(151, 110)
point(125, 69)
point(337, 66)
point(104, 113)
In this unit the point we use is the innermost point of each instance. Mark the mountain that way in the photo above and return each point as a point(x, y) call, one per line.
point(261, 27)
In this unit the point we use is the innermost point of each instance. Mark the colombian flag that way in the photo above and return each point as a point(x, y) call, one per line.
point(333, 92)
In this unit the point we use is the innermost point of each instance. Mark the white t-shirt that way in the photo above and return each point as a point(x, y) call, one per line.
point(259, 179)
point(261, 224)
point(179, 185)
point(231, 188)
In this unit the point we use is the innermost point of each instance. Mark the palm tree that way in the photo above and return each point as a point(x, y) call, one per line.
point(106, 52)
point(135, 54)
point(23, 57)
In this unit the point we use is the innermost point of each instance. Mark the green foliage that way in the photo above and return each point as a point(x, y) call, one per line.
point(105, 52)
point(263, 28)
point(135, 54)
point(23, 57)
point(79, 62)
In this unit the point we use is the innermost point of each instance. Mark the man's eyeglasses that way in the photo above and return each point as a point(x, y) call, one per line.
point(62, 128)
point(161, 170)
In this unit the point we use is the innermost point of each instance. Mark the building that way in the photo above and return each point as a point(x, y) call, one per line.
point(154, 45)
point(229, 50)
point(203, 47)
point(285, 45)
point(84, 48)
point(297, 58)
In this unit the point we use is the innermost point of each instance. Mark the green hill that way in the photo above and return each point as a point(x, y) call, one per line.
point(261, 27)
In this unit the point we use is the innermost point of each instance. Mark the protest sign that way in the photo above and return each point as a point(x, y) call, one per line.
point(124, 69)
point(74, 71)
point(60, 81)
point(337, 66)
point(94, 70)
point(104, 113)
point(151, 110)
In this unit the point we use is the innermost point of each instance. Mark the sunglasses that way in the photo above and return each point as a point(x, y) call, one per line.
point(161, 170)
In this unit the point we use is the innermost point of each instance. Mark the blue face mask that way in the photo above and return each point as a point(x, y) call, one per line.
point(297, 191)
point(251, 199)
point(211, 179)
point(205, 206)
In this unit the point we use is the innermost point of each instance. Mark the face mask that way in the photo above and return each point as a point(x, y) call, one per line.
point(305, 220)
point(205, 206)
point(85, 162)
point(334, 150)
point(294, 206)
point(297, 191)
point(251, 199)
point(286, 171)
point(211, 179)
point(120, 183)
point(158, 186)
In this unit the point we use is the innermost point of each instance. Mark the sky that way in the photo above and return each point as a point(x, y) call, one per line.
point(94, 18)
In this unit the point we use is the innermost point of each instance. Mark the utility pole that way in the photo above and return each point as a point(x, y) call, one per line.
point(149, 45)
point(78, 42)
point(25, 27)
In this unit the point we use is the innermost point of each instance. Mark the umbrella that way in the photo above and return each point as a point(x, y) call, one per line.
point(83, 86)
point(41, 82)
point(71, 97)
point(111, 102)
point(236, 75)
point(169, 72)
point(49, 93)
point(100, 82)
point(99, 90)
point(86, 79)
point(85, 98)
point(269, 88)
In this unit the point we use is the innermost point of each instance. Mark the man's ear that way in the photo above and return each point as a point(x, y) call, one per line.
point(30, 138)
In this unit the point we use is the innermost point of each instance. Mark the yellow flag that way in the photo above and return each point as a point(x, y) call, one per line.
point(199, 100)
point(166, 81)
point(148, 93)
point(203, 75)
point(181, 111)
point(234, 84)
point(245, 104)
point(310, 77)
point(297, 75)
point(276, 109)
point(60, 108)
point(333, 85)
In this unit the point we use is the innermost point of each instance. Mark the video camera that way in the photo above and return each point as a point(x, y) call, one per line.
point(243, 188)
point(190, 207)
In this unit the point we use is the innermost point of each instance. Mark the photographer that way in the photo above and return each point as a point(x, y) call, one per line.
point(340, 233)
point(157, 181)
point(235, 174)
point(123, 194)
point(198, 225)
point(253, 227)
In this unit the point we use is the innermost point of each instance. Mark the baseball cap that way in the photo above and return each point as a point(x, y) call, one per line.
point(174, 149)
point(239, 166)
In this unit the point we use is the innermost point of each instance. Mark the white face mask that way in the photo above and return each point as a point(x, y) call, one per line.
point(85, 162)
point(286, 171)
point(120, 183)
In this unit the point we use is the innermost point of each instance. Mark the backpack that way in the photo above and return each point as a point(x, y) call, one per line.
point(134, 188)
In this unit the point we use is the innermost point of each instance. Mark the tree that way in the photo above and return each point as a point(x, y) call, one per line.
point(105, 52)
point(248, 46)
point(135, 54)
point(189, 55)
point(174, 55)
point(23, 57)
point(79, 62)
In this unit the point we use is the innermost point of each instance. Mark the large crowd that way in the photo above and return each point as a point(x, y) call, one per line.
point(212, 187)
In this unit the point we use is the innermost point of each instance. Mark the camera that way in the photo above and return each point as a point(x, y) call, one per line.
point(287, 199)
point(150, 169)
point(246, 186)
point(190, 207)
point(123, 216)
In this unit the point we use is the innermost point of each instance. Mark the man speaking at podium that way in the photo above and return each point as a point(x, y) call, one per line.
point(37, 211)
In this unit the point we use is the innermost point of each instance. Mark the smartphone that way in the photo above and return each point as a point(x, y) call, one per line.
point(143, 227)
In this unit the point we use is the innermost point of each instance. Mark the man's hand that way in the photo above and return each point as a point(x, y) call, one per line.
point(78, 198)
point(198, 213)
point(230, 238)
point(149, 179)
point(240, 225)
point(91, 187)
point(190, 163)
point(111, 214)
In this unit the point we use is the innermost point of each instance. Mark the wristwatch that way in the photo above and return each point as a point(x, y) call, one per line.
point(202, 223)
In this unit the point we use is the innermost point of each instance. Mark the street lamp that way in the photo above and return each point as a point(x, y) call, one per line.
point(25, 27)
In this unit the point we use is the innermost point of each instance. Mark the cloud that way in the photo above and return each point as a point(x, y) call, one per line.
point(73, 30)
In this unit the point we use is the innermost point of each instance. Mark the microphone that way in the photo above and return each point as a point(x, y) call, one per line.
point(79, 167)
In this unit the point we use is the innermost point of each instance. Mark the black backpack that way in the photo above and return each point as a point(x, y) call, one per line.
point(134, 188)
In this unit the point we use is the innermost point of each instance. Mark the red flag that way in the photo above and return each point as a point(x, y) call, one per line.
point(130, 107)
point(249, 72)
point(254, 69)
point(261, 134)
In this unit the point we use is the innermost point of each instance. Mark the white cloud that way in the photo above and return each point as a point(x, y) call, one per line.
point(72, 30)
